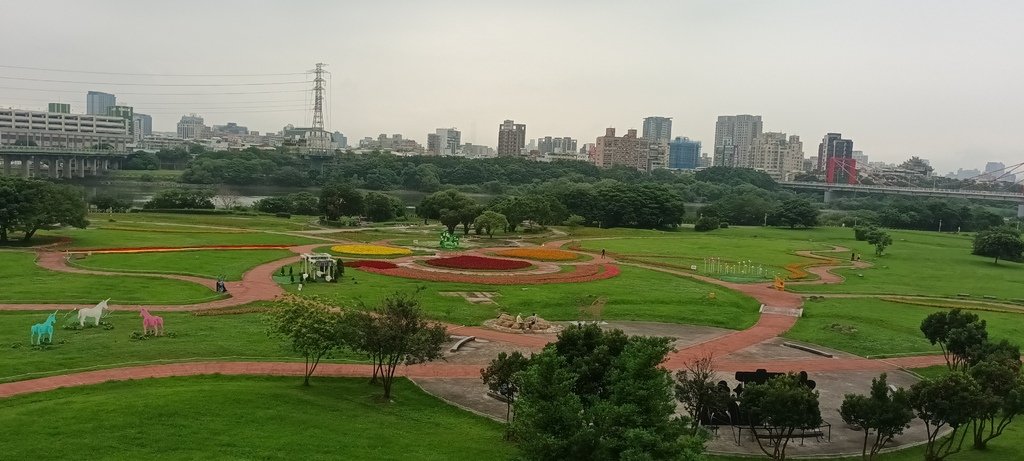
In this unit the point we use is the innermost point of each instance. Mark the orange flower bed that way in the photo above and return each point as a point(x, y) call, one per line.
point(583, 273)
point(539, 254)
point(796, 271)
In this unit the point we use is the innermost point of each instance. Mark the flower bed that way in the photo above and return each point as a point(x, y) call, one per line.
point(481, 263)
point(582, 273)
point(376, 250)
point(539, 254)
point(372, 263)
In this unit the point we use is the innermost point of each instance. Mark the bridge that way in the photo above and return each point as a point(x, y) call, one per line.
point(57, 162)
point(830, 189)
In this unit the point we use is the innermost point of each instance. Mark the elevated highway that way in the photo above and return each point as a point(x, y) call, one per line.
point(830, 189)
point(57, 162)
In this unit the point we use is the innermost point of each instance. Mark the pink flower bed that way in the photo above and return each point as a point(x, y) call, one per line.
point(583, 273)
point(479, 263)
point(369, 263)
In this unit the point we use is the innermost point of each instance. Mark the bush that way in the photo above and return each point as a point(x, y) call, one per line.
point(283, 215)
point(706, 223)
point(860, 233)
point(724, 225)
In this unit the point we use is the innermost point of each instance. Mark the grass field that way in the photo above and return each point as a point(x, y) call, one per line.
point(241, 417)
point(235, 337)
point(205, 263)
point(25, 282)
point(106, 238)
point(768, 246)
point(883, 327)
point(926, 263)
point(260, 222)
point(636, 294)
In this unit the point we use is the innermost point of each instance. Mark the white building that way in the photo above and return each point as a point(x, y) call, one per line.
point(780, 156)
point(57, 130)
point(192, 126)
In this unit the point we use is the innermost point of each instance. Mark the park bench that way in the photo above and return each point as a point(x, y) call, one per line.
point(455, 347)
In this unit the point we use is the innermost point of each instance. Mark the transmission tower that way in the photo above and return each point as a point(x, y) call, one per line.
point(318, 96)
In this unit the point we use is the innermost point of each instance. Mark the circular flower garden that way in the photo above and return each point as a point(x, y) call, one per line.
point(370, 250)
point(538, 254)
point(374, 264)
point(478, 263)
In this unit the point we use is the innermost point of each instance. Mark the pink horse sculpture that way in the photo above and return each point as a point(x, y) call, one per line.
point(151, 321)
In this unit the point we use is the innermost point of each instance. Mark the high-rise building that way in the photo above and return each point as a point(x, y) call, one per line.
point(990, 167)
point(628, 150)
point(511, 138)
point(57, 130)
point(556, 145)
point(860, 157)
point(733, 136)
point(143, 125)
point(683, 154)
point(835, 158)
point(780, 156)
point(128, 114)
point(96, 103)
point(231, 129)
point(658, 129)
point(58, 108)
point(338, 140)
point(444, 141)
point(192, 127)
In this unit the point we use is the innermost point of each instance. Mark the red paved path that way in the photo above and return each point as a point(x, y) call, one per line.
point(257, 284)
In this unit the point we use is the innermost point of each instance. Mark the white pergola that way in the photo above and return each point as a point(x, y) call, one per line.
point(319, 265)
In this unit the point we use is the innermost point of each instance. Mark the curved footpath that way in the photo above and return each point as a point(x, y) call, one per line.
point(779, 313)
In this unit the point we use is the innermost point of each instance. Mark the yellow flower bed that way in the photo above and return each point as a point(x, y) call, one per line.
point(540, 254)
point(379, 250)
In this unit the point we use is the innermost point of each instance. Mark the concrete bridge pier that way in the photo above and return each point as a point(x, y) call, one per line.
point(67, 167)
point(7, 165)
point(52, 164)
point(37, 164)
point(24, 166)
point(829, 195)
point(81, 167)
point(1020, 210)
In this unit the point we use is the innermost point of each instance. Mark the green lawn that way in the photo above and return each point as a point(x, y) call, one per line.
point(636, 294)
point(205, 263)
point(243, 417)
point(25, 282)
point(234, 337)
point(883, 327)
point(926, 263)
point(107, 238)
point(258, 222)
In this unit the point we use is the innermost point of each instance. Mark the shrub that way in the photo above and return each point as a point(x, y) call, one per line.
point(706, 223)
point(724, 225)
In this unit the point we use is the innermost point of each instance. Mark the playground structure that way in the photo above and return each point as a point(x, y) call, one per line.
point(319, 266)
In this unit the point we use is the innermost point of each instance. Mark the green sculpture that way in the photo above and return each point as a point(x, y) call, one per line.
point(449, 241)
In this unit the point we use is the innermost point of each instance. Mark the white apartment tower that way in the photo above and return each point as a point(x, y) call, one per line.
point(733, 136)
point(780, 156)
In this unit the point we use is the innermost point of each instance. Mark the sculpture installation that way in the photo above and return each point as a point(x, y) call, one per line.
point(149, 320)
point(45, 328)
point(92, 313)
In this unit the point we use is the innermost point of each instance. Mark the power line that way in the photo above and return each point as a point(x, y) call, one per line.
point(27, 79)
point(158, 94)
point(179, 103)
point(147, 74)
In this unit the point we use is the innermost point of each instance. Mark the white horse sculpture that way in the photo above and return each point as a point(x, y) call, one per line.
point(92, 313)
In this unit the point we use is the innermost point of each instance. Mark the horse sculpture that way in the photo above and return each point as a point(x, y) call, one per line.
point(92, 313)
point(149, 320)
point(45, 328)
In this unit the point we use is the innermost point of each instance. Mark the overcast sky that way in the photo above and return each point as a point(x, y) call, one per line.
point(942, 80)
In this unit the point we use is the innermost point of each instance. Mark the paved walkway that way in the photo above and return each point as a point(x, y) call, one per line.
point(257, 284)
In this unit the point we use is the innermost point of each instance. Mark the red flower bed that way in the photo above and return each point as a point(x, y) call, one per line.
point(374, 264)
point(480, 263)
point(583, 273)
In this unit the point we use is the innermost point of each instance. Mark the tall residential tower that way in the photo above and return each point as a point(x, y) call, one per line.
point(733, 136)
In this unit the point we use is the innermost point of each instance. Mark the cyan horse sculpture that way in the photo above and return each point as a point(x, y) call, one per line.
point(149, 320)
point(92, 313)
point(45, 328)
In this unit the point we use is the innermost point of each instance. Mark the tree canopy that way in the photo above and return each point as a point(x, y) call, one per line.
point(27, 205)
point(1001, 242)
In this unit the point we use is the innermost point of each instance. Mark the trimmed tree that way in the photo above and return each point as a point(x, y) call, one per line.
point(396, 333)
point(880, 239)
point(951, 401)
point(1002, 399)
point(957, 333)
point(782, 405)
point(490, 221)
point(500, 378)
point(310, 326)
point(1002, 242)
point(886, 413)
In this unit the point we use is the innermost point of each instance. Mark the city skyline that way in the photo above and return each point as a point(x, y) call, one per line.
point(931, 82)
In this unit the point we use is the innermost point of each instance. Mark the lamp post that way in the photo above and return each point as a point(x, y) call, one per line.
point(940, 226)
